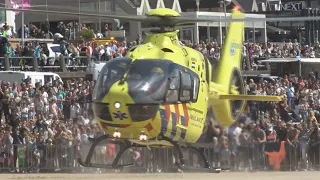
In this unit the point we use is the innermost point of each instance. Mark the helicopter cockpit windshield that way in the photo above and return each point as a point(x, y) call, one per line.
point(150, 81)
point(147, 80)
point(112, 72)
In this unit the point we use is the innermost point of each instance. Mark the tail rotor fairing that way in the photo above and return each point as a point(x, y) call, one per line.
point(237, 87)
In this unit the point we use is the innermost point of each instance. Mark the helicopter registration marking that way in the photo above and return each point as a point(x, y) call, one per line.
point(196, 118)
point(195, 110)
point(235, 46)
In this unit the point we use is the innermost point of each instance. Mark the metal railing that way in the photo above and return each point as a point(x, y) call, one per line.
point(60, 64)
point(49, 158)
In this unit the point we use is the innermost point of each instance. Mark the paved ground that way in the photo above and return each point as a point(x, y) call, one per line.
point(184, 176)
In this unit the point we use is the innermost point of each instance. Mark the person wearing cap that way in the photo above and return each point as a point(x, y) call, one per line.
point(314, 146)
point(271, 134)
point(292, 141)
point(303, 140)
point(259, 137)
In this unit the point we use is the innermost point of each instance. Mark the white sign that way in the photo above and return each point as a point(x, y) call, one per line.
point(292, 6)
point(121, 33)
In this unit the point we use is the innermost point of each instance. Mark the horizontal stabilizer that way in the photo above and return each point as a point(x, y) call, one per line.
point(251, 97)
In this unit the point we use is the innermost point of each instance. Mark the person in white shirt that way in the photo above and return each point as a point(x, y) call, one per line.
point(74, 111)
point(24, 112)
point(99, 35)
point(84, 120)
point(9, 32)
point(44, 94)
point(108, 52)
point(102, 50)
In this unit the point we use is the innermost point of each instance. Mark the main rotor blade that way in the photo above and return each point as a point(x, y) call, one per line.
point(167, 20)
point(111, 16)
point(273, 19)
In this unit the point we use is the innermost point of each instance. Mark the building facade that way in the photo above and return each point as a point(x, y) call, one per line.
point(122, 7)
point(303, 31)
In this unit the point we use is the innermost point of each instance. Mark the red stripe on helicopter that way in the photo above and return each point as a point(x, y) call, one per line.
point(115, 125)
point(186, 115)
point(149, 127)
point(176, 109)
point(104, 126)
point(168, 112)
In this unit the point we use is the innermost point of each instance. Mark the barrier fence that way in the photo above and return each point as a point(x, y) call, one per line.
point(64, 63)
point(261, 157)
point(57, 64)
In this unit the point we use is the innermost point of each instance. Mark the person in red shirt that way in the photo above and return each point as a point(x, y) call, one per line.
point(285, 79)
point(89, 50)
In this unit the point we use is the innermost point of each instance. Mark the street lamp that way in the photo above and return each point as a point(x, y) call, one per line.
point(198, 5)
point(47, 9)
point(225, 3)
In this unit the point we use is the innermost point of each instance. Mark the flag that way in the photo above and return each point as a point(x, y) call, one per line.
point(118, 24)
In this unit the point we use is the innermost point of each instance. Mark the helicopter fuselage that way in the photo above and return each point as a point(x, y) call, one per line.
point(162, 93)
point(159, 88)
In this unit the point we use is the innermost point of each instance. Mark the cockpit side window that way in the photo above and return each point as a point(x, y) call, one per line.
point(172, 95)
point(190, 83)
point(112, 72)
point(183, 85)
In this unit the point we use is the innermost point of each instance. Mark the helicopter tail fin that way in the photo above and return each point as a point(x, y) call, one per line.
point(232, 50)
point(227, 110)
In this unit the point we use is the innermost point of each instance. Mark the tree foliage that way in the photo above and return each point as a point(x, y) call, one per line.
point(86, 34)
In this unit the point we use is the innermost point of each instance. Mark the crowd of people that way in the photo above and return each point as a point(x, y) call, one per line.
point(48, 125)
point(252, 52)
point(34, 117)
point(294, 120)
point(45, 31)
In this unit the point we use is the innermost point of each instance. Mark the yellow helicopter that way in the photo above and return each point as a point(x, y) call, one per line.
point(160, 94)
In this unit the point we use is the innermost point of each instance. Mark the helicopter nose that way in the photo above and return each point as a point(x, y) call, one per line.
point(118, 108)
point(123, 107)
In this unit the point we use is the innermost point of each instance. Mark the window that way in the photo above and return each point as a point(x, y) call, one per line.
point(183, 85)
point(186, 87)
point(55, 49)
point(147, 80)
point(195, 92)
point(172, 95)
point(112, 72)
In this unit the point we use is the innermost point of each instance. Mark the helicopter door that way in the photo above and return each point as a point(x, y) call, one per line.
point(172, 95)
point(183, 87)
point(189, 87)
point(186, 87)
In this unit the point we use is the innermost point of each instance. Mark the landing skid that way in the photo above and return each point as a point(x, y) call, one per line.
point(181, 165)
point(125, 145)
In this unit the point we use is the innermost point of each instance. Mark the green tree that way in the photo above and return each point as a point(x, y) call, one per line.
point(86, 34)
